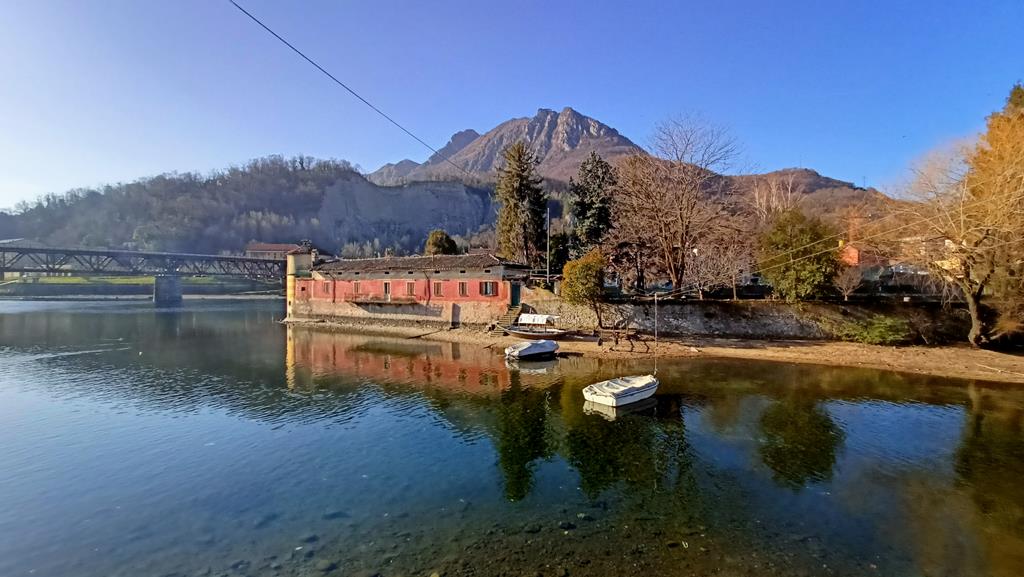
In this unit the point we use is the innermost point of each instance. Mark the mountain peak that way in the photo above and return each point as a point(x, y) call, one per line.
point(560, 140)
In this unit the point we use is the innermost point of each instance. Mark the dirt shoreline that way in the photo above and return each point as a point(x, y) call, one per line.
point(943, 361)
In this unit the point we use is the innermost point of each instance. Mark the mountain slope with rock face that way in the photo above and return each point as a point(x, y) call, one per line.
point(561, 141)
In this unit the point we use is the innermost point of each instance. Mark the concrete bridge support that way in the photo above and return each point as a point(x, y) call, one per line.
point(166, 290)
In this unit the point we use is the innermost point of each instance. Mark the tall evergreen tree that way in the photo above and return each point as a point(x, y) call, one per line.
point(520, 228)
point(590, 193)
point(438, 242)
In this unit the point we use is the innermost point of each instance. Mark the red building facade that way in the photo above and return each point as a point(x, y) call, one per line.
point(455, 289)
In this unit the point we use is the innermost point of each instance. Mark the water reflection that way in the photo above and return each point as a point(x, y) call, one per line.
point(800, 441)
point(152, 443)
point(523, 436)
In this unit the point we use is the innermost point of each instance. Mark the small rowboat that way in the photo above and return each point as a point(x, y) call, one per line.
point(531, 350)
point(621, 390)
point(533, 326)
point(625, 390)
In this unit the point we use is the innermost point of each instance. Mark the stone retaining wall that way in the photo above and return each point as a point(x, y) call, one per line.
point(753, 319)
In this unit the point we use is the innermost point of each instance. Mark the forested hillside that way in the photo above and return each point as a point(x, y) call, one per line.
point(271, 199)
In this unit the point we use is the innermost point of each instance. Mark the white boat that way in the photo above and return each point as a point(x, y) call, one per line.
point(621, 390)
point(531, 350)
point(612, 413)
point(534, 326)
point(625, 390)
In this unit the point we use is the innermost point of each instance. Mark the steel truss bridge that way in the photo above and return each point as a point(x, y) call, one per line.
point(124, 262)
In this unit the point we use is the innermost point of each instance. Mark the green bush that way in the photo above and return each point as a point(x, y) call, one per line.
point(878, 330)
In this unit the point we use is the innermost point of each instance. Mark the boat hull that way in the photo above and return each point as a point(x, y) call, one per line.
point(535, 334)
point(645, 406)
point(621, 391)
point(532, 350)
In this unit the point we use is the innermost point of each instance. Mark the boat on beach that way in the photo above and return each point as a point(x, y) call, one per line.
point(533, 326)
point(531, 350)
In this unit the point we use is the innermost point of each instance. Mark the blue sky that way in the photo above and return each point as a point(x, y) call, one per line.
point(102, 91)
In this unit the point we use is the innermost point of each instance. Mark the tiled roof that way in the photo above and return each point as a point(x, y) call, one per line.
point(416, 263)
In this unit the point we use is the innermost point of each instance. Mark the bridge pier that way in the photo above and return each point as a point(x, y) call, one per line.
point(166, 290)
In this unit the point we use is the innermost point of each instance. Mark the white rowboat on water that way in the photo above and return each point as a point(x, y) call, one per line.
point(625, 390)
point(621, 390)
point(531, 350)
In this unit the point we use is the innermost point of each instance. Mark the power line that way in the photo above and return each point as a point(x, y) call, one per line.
point(345, 86)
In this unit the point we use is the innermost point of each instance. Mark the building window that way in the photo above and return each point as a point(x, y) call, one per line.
point(463, 289)
point(410, 289)
point(355, 287)
point(437, 289)
point(489, 288)
point(387, 288)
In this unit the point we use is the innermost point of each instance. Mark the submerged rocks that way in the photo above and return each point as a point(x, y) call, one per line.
point(325, 566)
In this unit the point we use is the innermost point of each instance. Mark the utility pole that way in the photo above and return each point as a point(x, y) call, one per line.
point(547, 275)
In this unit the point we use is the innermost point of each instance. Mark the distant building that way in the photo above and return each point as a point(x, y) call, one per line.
point(852, 255)
point(276, 251)
point(442, 289)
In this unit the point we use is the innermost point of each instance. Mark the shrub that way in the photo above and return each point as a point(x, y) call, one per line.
point(877, 330)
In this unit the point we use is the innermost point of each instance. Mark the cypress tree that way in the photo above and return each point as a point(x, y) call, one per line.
point(520, 228)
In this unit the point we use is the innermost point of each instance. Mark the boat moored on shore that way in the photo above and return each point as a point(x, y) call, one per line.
point(531, 350)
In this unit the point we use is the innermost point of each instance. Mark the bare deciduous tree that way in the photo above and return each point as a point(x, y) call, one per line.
point(774, 194)
point(673, 199)
point(971, 229)
point(721, 259)
point(849, 280)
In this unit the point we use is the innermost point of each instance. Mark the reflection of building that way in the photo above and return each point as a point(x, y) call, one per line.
point(438, 366)
point(276, 251)
point(441, 289)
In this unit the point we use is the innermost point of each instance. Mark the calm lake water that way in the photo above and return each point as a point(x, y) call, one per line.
point(211, 440)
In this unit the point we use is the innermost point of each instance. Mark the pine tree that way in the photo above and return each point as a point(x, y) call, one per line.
point(590, 193)
point(438, 242)
point(520, 228)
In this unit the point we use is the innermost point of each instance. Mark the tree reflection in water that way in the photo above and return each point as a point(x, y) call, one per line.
point(647, 454)
point(989, 467)
point(523, 436)
point(800, 442)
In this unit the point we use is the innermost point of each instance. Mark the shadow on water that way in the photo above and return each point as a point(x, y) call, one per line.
point(226, 439)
